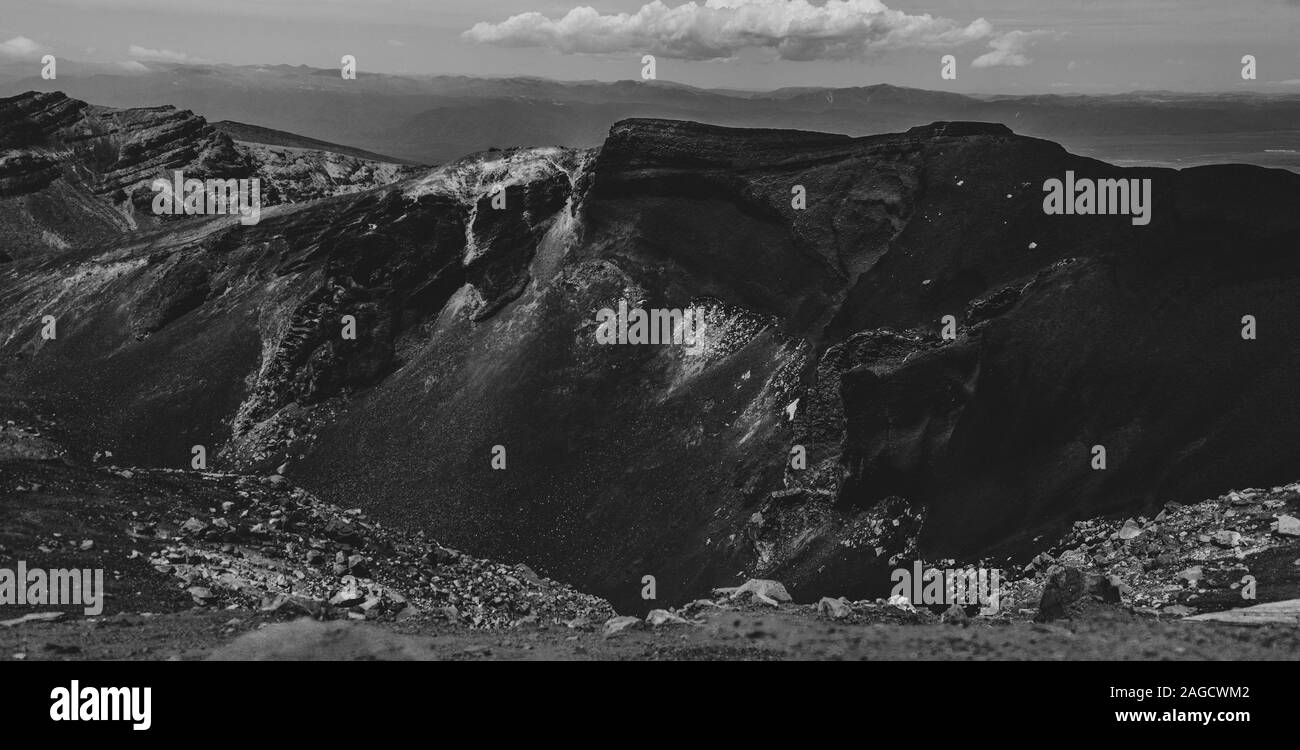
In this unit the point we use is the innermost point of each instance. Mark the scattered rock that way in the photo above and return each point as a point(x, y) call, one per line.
point(1130, 530)
point(659, 617)
point(201, 594)
point(955, 615)
point(1070, 590)
point(763, 591)
point(1288, 525)
point(293, 605)
point(835, 609)
point(616, 625)
point(194, 526)
point(278, 548)
point(694, 608)
point(348, 596)
point(898, 601)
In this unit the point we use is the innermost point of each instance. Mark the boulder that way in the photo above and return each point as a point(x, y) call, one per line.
point(616, 625)
point(1070, 592)
point(955, 615)
point(762, 590)
point(1288, 525)
point(660, 617)
point(350, 595)
point(1130, 530)
point(835, 609)
point(899, 601)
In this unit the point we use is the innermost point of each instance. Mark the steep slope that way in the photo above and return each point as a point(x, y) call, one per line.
point(476, 328)
point(72, 173)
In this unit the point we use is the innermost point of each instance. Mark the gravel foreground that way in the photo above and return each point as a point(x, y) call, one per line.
point(793, 633)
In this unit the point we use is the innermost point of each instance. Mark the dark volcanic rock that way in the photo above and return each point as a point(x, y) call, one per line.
point(181, 286)
point(32, 118)
point(1071, 591)
point(503, 240)
point(476, 329)
point(1132, 343)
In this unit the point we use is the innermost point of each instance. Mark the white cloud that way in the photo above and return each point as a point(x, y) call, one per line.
point(1011, 49)
point(718, 29)
point(395, 43)
point(21, 46)
point(162, 55)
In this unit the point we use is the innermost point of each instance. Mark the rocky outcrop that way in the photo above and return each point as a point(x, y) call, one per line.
point(299, 175)
point(72, 173)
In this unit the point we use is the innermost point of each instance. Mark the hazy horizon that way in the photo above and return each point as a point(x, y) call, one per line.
point(73, 68)
point(999, 46)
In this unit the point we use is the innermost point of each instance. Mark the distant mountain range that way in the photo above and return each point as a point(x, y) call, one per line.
point(439, 118)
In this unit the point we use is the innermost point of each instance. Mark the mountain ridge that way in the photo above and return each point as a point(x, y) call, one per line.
point(75, 173)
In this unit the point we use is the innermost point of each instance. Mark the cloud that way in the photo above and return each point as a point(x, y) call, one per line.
point(1010, 49)
point(395, 43)
point(21, 46)
point(161, 55)
point(718, 29)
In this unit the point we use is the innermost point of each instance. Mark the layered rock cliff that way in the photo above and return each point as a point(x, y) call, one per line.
point(73, 173)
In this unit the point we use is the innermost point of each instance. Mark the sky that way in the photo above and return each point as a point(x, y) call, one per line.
point(999, 46)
